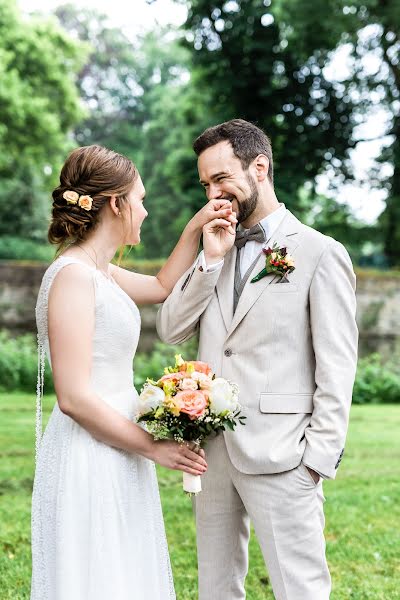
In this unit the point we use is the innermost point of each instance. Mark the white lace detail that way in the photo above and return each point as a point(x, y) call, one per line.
point(97, 525)
point(39, 395)
point(42, 335)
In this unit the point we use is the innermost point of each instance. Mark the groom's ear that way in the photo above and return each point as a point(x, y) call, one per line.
point(261, 166)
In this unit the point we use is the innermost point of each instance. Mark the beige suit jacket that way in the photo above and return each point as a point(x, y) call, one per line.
point(291, 348)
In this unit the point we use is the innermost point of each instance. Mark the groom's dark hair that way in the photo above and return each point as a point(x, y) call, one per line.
point(247, 141)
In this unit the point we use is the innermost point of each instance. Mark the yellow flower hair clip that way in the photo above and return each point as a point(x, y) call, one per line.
point(72, 197)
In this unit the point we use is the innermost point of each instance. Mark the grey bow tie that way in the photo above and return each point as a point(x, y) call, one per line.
point(254, 234)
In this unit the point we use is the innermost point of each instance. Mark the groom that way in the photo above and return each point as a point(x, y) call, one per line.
point(290, 343)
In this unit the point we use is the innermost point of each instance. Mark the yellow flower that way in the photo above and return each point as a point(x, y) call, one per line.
point(169, 387)
point(85, 202)
point(172, 406)
point(70, 196)
point(190, 368)
point(179, 360)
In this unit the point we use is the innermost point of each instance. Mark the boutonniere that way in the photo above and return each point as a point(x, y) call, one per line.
point(278, 261)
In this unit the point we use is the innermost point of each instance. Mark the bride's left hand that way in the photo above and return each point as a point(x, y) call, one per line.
point(214, 209)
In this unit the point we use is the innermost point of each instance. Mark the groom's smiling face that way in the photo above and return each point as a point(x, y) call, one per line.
point(222, 176)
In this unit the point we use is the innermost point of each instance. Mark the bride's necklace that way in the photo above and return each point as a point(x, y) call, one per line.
point(93, 260)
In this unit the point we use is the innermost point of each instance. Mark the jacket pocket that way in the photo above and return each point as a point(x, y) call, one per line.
point(286, 403)
point(283, 288)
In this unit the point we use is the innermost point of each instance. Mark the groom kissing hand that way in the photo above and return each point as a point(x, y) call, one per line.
point(217, 241)
point(274, 306)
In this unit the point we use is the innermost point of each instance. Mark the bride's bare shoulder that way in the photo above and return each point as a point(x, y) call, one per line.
point(72, 283)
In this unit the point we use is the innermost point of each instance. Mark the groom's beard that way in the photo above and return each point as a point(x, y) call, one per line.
point(247, 206)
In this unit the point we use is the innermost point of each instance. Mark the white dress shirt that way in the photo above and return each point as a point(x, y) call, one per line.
point(249, 252)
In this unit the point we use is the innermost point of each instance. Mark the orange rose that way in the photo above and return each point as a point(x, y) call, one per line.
point(172, 377)
point(199, 366)
point(85, 202)
point(191, 402)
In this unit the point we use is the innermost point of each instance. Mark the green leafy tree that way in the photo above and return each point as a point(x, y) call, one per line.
point(370, 32)
point(266, 62)
point(39, 106)
point(245, 57)
point(141, 103)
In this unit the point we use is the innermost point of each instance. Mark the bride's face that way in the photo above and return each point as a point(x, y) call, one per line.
point(134, 213)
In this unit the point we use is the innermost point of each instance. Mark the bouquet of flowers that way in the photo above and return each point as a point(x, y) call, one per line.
point(187, 404)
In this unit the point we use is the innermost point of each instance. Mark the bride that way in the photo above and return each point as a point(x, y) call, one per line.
point(97, 526)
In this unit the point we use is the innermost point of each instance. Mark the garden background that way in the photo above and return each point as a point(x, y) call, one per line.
point(322, 77)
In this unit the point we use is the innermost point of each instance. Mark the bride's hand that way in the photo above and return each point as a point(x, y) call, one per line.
point(179, 457)
point(218, 239)
point(214, 209)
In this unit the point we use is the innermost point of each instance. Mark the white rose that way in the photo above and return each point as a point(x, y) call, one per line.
point(188, 384)
point(203, 380)
point(223, 396)
point(70, 196)
point(150, 398)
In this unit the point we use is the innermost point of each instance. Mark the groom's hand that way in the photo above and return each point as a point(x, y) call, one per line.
point(314, 474)
point(218, 239)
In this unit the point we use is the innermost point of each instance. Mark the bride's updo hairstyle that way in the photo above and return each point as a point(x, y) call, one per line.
point(89, 177)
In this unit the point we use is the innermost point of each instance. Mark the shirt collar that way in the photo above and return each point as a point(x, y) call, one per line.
point(271, 222)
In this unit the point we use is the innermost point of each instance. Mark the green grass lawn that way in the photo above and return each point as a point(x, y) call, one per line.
point(362, 510)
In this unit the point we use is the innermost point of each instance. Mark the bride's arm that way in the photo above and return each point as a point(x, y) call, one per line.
point(146, 289)
point(71, 327)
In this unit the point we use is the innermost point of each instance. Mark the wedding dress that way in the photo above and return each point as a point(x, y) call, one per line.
point(97, 525)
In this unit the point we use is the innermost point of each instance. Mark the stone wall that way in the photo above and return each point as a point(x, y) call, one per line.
point(378, 312)
point(378, 301)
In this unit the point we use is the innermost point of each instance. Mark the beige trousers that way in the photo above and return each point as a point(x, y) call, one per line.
point(286, 510)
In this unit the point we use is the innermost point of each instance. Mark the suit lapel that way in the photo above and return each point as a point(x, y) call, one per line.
point(225, 287)
point(285, 236)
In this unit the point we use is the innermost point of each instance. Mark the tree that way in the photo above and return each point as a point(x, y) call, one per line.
point(140, 103)
point(245, 56)
point(265, 61)
point(370, 31)
point(39, 105)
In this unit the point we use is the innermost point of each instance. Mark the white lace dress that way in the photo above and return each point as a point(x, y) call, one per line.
point(97, 526)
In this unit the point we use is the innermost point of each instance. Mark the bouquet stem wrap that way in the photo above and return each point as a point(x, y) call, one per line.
point(191, 483)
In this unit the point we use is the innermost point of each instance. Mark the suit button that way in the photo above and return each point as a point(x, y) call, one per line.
point(228, 352)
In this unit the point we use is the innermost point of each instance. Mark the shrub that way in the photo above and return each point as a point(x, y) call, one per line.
point(377, 381)
point(15, 248)
point(18, 364)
